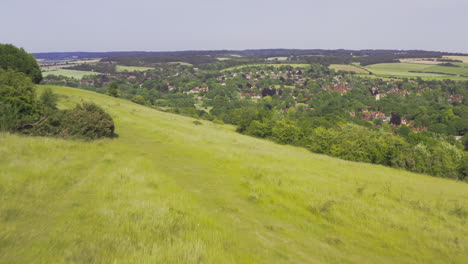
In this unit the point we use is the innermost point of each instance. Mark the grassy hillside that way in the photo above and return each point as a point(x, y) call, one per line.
point(425, 71)
point(170, 191)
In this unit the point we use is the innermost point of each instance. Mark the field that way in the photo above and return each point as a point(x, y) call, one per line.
point(277, 58)
point(462, 58)
point(349, 68)
point(122, 68)
point(425, 71)
point(181, 63)
point(421, 60)
point(69, 73)
point(171, 190)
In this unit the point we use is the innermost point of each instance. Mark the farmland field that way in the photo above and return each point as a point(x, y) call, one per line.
point(68, 73)
point(462, 58)
point(171, 190)
point(349, 68)
point(181, 63)
point(277, 58)
point(421, 60)
point(122, 68)
point(418, 70)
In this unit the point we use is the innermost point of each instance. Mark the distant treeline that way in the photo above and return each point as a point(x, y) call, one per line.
point(202, 58)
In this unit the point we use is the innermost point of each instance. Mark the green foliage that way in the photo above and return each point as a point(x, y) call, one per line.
point(49, 99)
point(139, 99)
point(113, 90)
point(21, 111)
point(17, 91)
point(19, 60)
point(258, 129)
point(285, 132)
point(9, 117)
point(88, 120)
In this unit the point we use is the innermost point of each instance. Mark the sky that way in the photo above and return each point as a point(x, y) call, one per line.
point(154, 25)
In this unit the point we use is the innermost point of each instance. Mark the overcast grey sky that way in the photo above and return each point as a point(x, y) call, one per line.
point(154, 25)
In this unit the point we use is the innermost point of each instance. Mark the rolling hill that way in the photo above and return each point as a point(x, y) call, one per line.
point(413, 70)
point(171, 190)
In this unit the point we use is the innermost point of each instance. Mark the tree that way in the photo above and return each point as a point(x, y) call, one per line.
point(114, 90)
point(19, 60)
point(49, 99)
point(395, 119)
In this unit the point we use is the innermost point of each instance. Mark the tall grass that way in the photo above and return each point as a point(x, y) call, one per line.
point(169, 191)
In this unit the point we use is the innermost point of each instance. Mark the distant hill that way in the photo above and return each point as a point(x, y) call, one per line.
point(171, 189)
point(254, 52)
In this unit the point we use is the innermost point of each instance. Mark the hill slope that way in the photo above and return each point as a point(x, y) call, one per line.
point(170, 191)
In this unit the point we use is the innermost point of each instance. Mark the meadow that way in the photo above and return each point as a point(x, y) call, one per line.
point(425, 71)
point(68, 73)
point(181, 63)
point(462, 58)
point(122, 68)
point(172, 190)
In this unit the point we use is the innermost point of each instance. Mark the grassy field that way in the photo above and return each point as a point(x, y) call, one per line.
point(462, 58)
point(122, 68)
point(168, 190)
point(181, 63)
point(421, 60)
point(425, 71)
point(277, 58)
point(349, 68)
point(69, 73)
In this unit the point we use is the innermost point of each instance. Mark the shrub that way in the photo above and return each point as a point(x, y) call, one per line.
point(17, 90)
point(9, 117)
point(87, 120)
point(285, 132)
point(138, 99)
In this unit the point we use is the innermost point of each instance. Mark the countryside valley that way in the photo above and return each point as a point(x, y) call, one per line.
point(373, 113)
point(182, 158)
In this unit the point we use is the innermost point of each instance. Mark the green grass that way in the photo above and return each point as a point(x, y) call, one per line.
point(122, 68)
point(349, 68)
point(167, 190)
point(181, 63)
point(68, 73)
point(425, 71)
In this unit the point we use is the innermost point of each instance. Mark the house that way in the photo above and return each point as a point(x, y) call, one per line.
point(199, 89)
point(252, 95)
point(455, 98)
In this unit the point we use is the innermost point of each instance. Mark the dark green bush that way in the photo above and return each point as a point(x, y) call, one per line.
point(87, 120)
point(19, 60)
